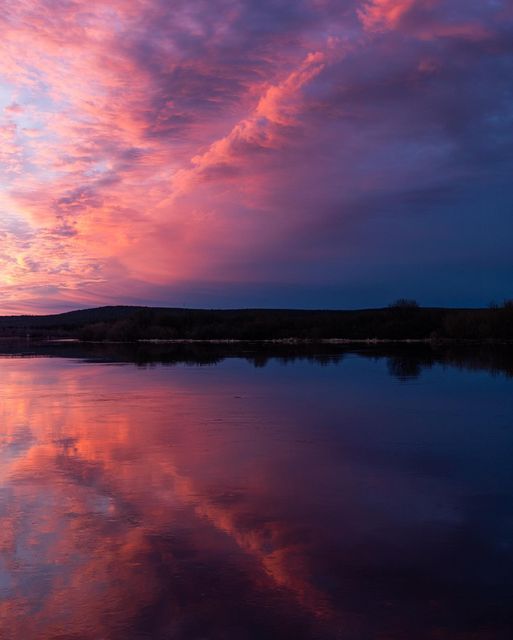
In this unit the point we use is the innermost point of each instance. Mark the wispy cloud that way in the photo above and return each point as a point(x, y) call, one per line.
point(212, 142)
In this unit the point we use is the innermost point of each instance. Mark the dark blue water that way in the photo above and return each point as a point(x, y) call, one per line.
point(364, 498)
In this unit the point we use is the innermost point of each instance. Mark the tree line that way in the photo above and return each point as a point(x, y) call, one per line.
point(402, 320)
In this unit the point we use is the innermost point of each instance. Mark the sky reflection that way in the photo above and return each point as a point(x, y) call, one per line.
point(234, 502)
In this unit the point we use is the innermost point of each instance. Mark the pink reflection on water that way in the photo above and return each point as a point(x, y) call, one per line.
point(114, 460)
point(229, 502)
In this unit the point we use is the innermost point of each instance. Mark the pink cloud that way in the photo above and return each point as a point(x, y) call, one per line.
point(384, 14)
point(421, 18)
point(149, 144)
point(13, 108)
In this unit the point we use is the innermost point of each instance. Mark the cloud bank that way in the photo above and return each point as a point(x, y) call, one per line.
point(309, 153)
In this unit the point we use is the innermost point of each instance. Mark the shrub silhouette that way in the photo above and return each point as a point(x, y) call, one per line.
point(403, 319)
point(404, 303)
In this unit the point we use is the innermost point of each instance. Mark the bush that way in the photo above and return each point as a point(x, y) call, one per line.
point(404, 303)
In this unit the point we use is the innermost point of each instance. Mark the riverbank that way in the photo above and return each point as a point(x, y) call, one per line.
point(401, 322)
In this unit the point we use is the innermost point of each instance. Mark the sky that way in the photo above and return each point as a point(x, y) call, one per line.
point(255, 153)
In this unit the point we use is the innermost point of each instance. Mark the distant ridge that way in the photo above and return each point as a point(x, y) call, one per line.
point(403, 320)
point(93, 314)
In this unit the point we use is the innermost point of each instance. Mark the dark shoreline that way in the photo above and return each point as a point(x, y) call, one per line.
point(405, 360)
point(266, 341)
point(402, 322)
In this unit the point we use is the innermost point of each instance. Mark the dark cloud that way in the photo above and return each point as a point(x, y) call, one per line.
point(317, 141)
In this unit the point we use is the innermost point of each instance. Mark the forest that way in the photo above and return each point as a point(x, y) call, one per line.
point(402, 320)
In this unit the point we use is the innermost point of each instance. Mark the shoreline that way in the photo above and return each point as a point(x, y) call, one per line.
point(282, 341)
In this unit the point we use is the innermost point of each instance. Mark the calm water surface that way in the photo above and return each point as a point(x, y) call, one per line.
point(233, 501)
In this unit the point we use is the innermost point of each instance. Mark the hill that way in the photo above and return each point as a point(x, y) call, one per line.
point(403, 320)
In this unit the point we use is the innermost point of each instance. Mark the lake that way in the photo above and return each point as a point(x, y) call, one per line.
point(202, 495)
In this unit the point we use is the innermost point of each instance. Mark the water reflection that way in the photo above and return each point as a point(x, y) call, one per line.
point(405, 361)
point(238, 502)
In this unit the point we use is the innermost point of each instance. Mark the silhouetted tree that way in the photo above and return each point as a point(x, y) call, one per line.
point(404, 303)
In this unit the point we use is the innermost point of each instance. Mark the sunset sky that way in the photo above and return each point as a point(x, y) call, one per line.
point(224, 153)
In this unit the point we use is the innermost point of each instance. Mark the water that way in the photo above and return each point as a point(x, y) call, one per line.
point(360, 496)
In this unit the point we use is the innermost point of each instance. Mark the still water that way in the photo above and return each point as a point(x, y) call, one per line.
point(354, 497)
